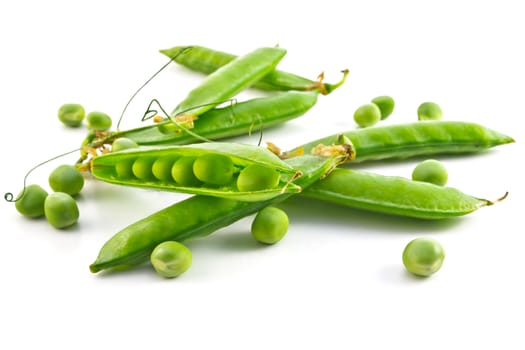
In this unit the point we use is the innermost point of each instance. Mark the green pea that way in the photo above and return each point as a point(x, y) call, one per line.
point(71, 114)
point(66, 178)
point(123, 143)
point(429, 111)
point(423, 256)
point(142, 168)
point(98, 121)
point(385, 104)
point(61, 210)
point(432, 171)
point(170, 259)
point(270, 225)
point(30, 202)
point(124, 169)
point(182, 172)
point(367, 115)
point(214, 169)
point(256, 177)
point(162, 168)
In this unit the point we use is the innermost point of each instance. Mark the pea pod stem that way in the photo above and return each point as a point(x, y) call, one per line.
point(206, 60)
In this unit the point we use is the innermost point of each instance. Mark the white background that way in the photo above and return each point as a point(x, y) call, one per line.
point(336, 281)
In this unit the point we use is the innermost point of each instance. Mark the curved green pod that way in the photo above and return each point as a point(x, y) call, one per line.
point(213, 169)
point(237, 119)
point(229, 80)
point(416, 139)
point(205, 60)
point(195, 217)
point(393, 195)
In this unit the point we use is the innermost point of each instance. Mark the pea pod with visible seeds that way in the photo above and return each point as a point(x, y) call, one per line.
point(416, 139)
point(196, 216)
point(226, 82)
point(207, 168)
point(207, 61)
point(393, 195)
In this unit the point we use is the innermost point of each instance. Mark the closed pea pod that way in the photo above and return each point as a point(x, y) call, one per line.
point(195, 217)
point(207, 60)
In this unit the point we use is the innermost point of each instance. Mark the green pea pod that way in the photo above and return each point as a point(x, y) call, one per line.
point(238, 119)
point(207, 61)
point(393, 195)
point(416, 139)
point(194, 217)
point(226, 82)
point(213, 169)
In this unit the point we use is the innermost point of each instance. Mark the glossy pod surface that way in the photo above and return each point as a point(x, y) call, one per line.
point(207, 61)
point(195, 217)
point(238, 119)
point(417, 139)
point(208, 169)
point(230, 79)
point(393, 195)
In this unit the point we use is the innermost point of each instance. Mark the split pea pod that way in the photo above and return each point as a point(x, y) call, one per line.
point(196, 216)
point(238, 119)
point(393, 195)
point(218, 169)
point(207, 61)
point(229, 80)
point(416, 139)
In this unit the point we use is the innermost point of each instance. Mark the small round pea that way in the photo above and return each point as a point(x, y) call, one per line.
point(182, 172)
point(30, 202)
point(213, 169)
point(423, 256)
point(270, 225)
point(123, 143)
point(367, 115)
point(66, 178)
point(98, 121)
point(61, 210)
point(124, 169)
point(256, 177)
point(432, 171)
point(71, 114)
point(162, 168)
point(142, 168)
point(170, 259)
point(385, 104)
point(429, 111)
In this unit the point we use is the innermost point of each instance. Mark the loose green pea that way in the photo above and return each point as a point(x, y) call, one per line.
point(367, 115)
point(423, 256)
point(429, 111)
point(66, 178)
point(170, 259)
point(71, 114)
point(124, 169)
point(256, 177)
point(214, 169)
point(98, 121)
point(385, 104)
point(270, 225)
point(162, 168)
point(123, 143)
point(30, 202)
point(142, 168)
point(61, 210)
point(182, 172)
point(432, 171)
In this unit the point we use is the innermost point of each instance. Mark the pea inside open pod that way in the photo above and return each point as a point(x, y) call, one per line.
point(216, 167)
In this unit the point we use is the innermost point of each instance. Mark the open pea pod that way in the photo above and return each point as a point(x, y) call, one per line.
point(228, 170)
